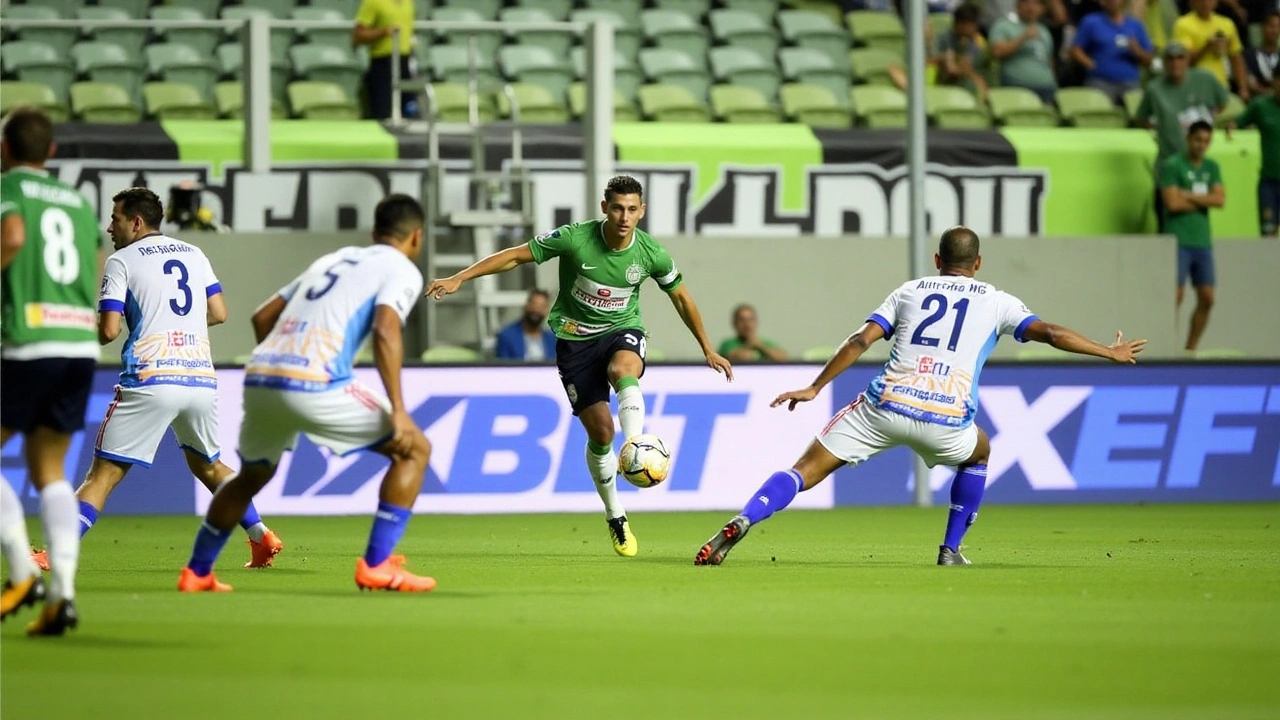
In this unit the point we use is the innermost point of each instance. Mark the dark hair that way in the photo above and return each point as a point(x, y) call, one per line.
point(959, 247)
point(397, 216)
point(965, 13)
point(539, 291)
point(1271, 14)
point(141, 202)
point(1199, 125)
point(622, 185)
point(29, 132)
point(739, 308)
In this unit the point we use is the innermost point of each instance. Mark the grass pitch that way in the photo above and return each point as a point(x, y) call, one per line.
point(1122, 613)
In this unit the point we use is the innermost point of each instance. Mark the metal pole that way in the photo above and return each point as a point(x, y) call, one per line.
point(917, 151)
point(257, 86)
point(597, 121)
point(395, 76)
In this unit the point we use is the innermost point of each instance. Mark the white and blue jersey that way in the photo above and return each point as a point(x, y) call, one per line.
point(328, 316)
point(943, 329)
point(161, 286)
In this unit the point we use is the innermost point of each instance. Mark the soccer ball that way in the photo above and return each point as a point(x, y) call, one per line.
point(645, 461)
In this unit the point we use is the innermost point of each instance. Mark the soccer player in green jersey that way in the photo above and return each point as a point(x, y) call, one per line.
point(596, 317)
point(1191, 184)
point(48, 350)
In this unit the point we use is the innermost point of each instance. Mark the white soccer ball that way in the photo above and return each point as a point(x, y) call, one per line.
point(644, 461)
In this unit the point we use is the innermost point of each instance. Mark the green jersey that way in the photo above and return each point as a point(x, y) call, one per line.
point(1264, 114)
point(1172, 108)
point(1191, 228)
point(600, 287)
point(50, 288)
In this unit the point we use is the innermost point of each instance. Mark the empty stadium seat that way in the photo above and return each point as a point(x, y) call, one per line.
point(764, 9)
point(539, 66)
point(535, 103)
point(329, 63)
point(877, 29)
point(626, 75)
point(451, 64)
point(348, 8)
point(695, 9)
point(810, 29)
point(628, 9)
point(131, 39)
point(627, 36)
point(321, 101)
point(449, 354)
point(742, 66)
point(557, 9)
point(203, 40)
point(675, 30)
point(64, 8)
point(623, 108)
point(281, 38)
point(340, 37)
point(954, 107)
point(870, 66)
point(742, 104)
point(176, 101)
point(207, 8)
point(231, 62)
point(672, 103)
point(104, 62)
point(813, 105)
point(103, 103)
point(277, 8)
point(877, 106)
point(1019, 107)
point(814, 67)
point(670, 67)
point(134, 8)
point(60, 39)
point(1132, 101)
point(453, 103)
point(229, 98)
point(557, 42)
point(181, 63)
point(488, 41)
point(1089, 107)
point(33, 61)
point(745, 29)
point(487, 9)
point(14, 93)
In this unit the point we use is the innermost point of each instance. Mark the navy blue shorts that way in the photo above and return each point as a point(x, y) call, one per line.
point(49, 392)
point(1268, 206)
point(1196, 263)
point(584, 365)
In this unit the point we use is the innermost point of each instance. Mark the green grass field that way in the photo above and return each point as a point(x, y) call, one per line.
point(1125, 613)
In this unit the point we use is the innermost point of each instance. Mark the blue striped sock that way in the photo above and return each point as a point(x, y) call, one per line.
point(775, 494)
point(88, 516)
point(209, 543)
point(966, 495)
point(388, 527)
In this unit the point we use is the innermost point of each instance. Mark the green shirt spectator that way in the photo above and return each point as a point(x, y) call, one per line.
point(960, 54)
point(1190, 225)
point(746, 345)
point(1178, 98)
point(1024, 48)
point(1263, 113)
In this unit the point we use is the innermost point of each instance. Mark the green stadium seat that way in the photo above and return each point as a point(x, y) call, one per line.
point(626, 76)
point(204, 40)
point(183, 64)
point(133, 8)
point(1089, 107)
point(742, 104)
point(449, 354)
point(870, 66)
point(675, 31)
point(814, 67)
point(64, 8)
point(488, 9)
point(628, 9)
point(32, 61)
point(623, 109)
point(277, 8)
point(176, 101)
point(533, 64)
point(557, 42)
point(229, 98)
point(627, 37)
point(536, 104)
point(940, 23)
point(1019, 107)
point(206, 8)
point(695, 9)
point(131, 39)
point(814, 105)
point(954, 107)
point(329, 63)
point(877, 106)
point(487, 41)
point(321, 101)
point(340, 37)
point(557, 9)
point(14, 94)
point(60, 39)
point(231, 62)
point(348, 8)
point(672, 103)
point(281, 38)
point(453, 103)
point(764, 9)
point(670, 67)
point(1132, 101)
point(1235, 107)
point(450, 63)
point(1255, 35)
point(103, 103)
point(877, 29)
point(743, 28)
point(810, 29)
point(104, 62)
point(742, 66)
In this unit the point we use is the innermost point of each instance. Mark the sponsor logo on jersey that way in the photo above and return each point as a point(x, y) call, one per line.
point(930, 366)
point(601, 297)
point(55, 316)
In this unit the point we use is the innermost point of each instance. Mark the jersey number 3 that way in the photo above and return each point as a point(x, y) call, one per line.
point(940, 301)
point(174, 266)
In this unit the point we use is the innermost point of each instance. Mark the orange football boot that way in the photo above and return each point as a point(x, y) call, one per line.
point(40, 558)
point(190, 582)
point(262, 553)
point(391, 575)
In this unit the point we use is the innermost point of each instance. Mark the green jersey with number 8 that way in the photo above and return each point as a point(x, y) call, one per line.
point(50, 288)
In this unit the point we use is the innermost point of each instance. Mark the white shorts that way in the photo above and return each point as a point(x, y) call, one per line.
point(861, 430)
point(139, 416)
point(345, 420)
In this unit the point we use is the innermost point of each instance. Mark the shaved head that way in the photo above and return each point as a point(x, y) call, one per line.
point(959, 247)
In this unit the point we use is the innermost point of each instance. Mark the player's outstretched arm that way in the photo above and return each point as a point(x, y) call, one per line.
point(388, 355)
point(687, 309)
point(1064, 338)
point(499, 262)
point(13, 235)
point(842, 360)
point(265, 317)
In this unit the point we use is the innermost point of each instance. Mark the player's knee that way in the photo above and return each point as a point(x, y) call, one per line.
point(1205, 298)
point(420, 450)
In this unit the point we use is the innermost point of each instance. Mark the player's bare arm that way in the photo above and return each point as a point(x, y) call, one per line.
point(217, 310)
point(1064, 338)
point(853, 348)
point(388, 355)
point(108, 326)
point(687, 309)
point(13, 235)
point(499, 262)
point(266, 316)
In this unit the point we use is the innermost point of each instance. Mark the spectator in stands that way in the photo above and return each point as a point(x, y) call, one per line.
point(746, 345)
point(376, 24)
point(882, 5)
point(1024, 48)
point(1264, 113)
point(1213, 43)
point(1113, 48)
point(1192, 184)
point(961, 54)
point(529, 338)
point(1182, 95)
point(1261, 61)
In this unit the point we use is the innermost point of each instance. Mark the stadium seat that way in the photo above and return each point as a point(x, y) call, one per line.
point(104, 62)
point(60, 39)
point(623, 109)
point(64, 8)
point(229, 98)
point(277, 8)
point(675, 31)
point(877, 29)
point(628, 9)
point(1089, 107)
point(450, 63)
point(339, 37)
point(183, 64)
point(133, 8)
point(672, 103)
point(281, 38)
point(203, 40)
point(449, 354)
point(176, 101)
point(763, 9)
point(231, 62)
point(746, 29)
point(742, 104)
point(557, 42)
point(487, 9)
point(695, 9)
point(813, 105)
point(954, 107)
point(1132, 101)
point(329, 63)
point(1019, 107)
point(206, 8)
point(626, 76)
point(14, 93)
point(321, 101)
point(676, 68)
point(36, 62)
point(627, 37)
point(539, 66)
point(453, 103)
point(870, 66)
point(103, 103)
point(1235, 107)
point(877, 106)
point(536, 104)
point(814, 67)
point(742, 66)
point(348, 8)
point(487, 41)
point(131, 39)
point(557, 9)
point(815, 30)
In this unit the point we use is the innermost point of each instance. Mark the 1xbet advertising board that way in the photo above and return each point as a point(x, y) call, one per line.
point(505, 441)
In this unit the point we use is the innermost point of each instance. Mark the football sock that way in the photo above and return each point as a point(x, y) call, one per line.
point(602, 463)
point(13, 535)
point(966, 496)
point(630, 407)
point(61, 514)
point(389, 524)
point(252, 524)
point(775, 494)
point(209, 542)
point(88, 516)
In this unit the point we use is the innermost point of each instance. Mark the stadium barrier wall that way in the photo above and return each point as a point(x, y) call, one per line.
point(505, 441)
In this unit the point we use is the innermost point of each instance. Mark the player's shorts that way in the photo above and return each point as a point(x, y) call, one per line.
point(861, 430)
point(139, 416)
point(584, 365)
point(48, 392)
point(1196, 263)
point(344, 420)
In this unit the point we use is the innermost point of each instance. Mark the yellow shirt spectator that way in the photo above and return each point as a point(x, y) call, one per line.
point(1196, 32)
point(380, 14)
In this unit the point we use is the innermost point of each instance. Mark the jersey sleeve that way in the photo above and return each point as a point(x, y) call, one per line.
point(1014, 317)
point(401, 289)
point(1169, 173)
point(886, 316)
point(115, 286)
point(552, 244)
point(212, 285)
point(367, 15)
point(664, 271)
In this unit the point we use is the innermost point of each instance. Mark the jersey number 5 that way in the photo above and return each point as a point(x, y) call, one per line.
point(331, 274)
point(185, 307)
point(936, 299)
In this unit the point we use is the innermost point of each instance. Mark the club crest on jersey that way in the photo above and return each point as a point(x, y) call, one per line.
point(548, 235)
point(572, 391)
point(635, 273)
